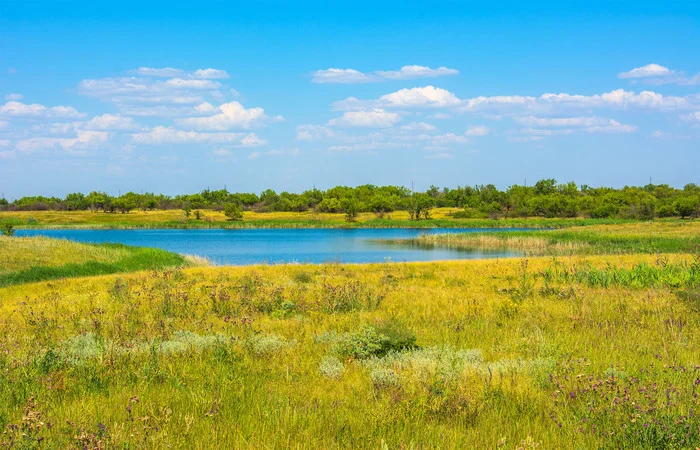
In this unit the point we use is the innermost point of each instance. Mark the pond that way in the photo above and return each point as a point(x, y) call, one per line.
point(275, 246)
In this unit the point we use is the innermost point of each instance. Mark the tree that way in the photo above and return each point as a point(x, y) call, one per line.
point(686, 206)
point(7, 229)
point(187, 209)
point(350, 206)
point(233, 211)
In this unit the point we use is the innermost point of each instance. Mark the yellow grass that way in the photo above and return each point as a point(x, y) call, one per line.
point(18, 253)
point(237, 395)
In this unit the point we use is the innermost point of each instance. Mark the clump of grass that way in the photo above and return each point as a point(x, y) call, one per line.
point(331, 367)
point(261, 344)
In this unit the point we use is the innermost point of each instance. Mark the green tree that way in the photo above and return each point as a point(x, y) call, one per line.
point(233, 211)
point(7, 229)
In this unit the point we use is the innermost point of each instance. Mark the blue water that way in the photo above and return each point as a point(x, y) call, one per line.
point(256, 246)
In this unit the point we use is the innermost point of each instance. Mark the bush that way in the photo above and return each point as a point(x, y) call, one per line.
point(369, 341)
point(233, 211)
point(7, 229)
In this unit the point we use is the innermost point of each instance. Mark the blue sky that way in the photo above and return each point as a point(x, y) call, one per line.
point(167, 98)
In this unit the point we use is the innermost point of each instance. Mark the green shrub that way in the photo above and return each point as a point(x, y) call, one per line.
point(369, 341)
point(7, 229)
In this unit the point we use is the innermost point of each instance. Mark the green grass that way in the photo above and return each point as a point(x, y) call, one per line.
point(28, 260)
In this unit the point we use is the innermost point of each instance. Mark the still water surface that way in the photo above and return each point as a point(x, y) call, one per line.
point(256, 246)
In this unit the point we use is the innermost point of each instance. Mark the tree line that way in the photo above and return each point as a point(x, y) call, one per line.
point(546, 198)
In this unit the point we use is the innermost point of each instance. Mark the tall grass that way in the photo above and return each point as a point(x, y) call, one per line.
point(465, 354)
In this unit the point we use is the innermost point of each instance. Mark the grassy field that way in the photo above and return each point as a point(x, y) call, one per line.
point(573, 352)
point(639, 237)
point(561, 351)
point(440, 217)
point(24, 260)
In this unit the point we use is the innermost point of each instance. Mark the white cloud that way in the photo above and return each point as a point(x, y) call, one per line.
point(449, 139)
point(18, 109)
point(613, 126)
point(164, 72)
point(137, 96)
point(438, 156)
point(432, 97)
point(206, 108)
point(411, 72)
point(477, 130)
point(252, 140)
point(14, 97)
point(648, 71)
point(692, 117)
point(111, 122)
point(231, 115)
point(254, 155)
point(560, 121)
point(341, 76)
point(313, 132)
point(167, 135)
point(180, 83)
point(421, 97)
point(211, 74)
point(84, 140)
point(377, 118)
point(418, 126)
point(352, 76)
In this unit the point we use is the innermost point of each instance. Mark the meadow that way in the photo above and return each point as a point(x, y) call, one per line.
point(558, 351)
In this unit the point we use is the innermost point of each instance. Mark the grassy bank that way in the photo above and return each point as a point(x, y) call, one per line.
point(440, 217)
point(571, 352)
point(640, 237)
point(26, 260)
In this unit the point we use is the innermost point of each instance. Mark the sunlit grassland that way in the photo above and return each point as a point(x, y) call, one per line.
point(636, 237)
point(32, 259)
point(566, 352)
point(440, 217)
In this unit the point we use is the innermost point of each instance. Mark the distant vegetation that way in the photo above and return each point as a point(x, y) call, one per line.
point(546, 198)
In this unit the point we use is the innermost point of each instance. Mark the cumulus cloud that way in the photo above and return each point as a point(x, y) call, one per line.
point(421, 97)
point(211, 74)
point(377, 118)
point(14, 96)
point(352, 76)
point(230, 115)
point(19, 109)
point(648, 71)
